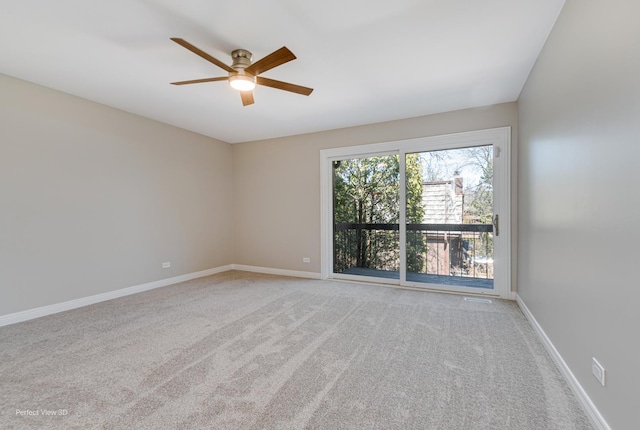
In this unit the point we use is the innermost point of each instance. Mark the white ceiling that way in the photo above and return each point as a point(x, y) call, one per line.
point(368, 60)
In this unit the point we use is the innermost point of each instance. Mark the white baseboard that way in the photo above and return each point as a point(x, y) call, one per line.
point(270, 271)
point(85, 301)
point(592, 412)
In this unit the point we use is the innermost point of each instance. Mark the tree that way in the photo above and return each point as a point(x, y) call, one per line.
point(366, 191)
point(480, 203)
point(480, 199)
point(416, 242)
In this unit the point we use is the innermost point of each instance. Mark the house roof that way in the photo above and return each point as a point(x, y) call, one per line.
point(368, 60)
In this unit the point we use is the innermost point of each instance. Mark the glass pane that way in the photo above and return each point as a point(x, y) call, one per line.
point(449, 213)
point(366, 241)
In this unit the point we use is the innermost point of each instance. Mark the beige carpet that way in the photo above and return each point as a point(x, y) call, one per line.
point(248, 351)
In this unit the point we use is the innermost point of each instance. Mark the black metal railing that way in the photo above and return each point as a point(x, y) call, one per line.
point(439, 249)
point(366, 245)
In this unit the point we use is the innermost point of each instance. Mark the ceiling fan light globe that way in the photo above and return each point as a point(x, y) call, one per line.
point(242, 82)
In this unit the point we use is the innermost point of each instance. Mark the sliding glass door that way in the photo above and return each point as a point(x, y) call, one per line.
point(422, 213)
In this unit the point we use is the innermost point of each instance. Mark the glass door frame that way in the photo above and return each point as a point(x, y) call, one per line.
point(500, 138)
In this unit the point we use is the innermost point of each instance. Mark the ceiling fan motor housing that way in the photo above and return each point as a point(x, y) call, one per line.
point(241, 59)
point(241, 80)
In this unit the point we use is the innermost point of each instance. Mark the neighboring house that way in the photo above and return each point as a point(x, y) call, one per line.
point(451, 252)
point(443, 201)
point(444, 204)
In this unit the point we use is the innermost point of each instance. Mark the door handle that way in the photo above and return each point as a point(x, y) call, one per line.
point(496, 225)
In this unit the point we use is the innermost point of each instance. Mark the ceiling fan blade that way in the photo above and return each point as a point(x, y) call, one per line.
point(202, 54)
point(247, 97)
point(286, 86)
point(272, 60)
point(199, 81)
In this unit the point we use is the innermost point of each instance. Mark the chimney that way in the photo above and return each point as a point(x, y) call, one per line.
point(458, 186)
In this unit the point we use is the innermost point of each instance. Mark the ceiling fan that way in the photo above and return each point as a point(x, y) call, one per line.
point(243, 75)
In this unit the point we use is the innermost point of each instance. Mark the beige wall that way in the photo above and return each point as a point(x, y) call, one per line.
point(579, 245)
point(277, 182)
point(93, 199)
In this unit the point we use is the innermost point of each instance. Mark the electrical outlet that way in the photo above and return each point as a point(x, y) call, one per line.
point(306, 260)
point(598, 371)
point(166, 264)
